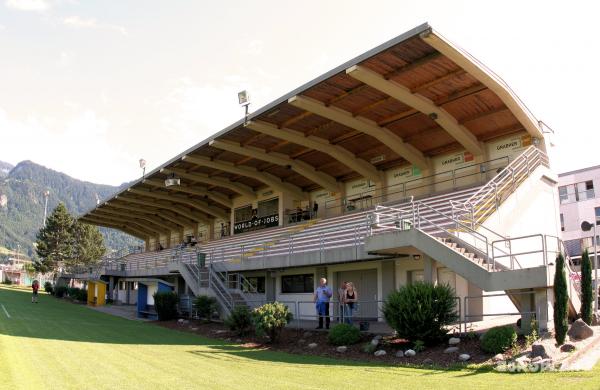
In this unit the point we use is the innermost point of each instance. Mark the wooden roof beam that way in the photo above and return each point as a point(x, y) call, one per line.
point(198, 205)
point(176, 209)
point(487, 77)
point(383, 135)
point(129, 223)
point(203, 178)
point(327, 182)
point(215, 197)
point(264, 177)
point(178, 220)
point(154, 220)
point(128, 230)
point(421, 103)
point(362, 167)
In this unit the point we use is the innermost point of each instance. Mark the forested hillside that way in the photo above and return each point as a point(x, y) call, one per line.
point(23, 214)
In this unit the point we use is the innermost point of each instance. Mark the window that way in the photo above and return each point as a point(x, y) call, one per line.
point(258, 282)
point(296, 284)
point(597, 211)
point(562, 222)
point(243, 214)
point(576, 192)
point(268, 207)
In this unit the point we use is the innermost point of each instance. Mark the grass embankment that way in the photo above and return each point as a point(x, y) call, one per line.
point(56, 344)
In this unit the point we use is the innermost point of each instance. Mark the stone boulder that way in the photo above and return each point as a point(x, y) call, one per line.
point(341, 349)
point(498, 358)
point(567, 348)
point(375, 342)
point(400, 353)
point(409, 353)
point(539, 350)
point(453, 341)
point(580, 330)
point(463, 357)
point(381, 352)
point(451, 350)
point(312, 345)
point(428, 362)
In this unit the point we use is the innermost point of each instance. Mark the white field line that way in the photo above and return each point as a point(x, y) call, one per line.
point(5, 312)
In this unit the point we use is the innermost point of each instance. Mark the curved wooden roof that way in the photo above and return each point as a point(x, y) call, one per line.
point(410, 99)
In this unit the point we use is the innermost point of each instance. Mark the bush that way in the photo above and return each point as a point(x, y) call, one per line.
point(561, 301)
point(587, 298)
point(48, 287)
point(60, 291)
point(206, 306)
point(165, 303)
point(499, 339)
point(270, 319)
point(240, 320)
point(421, 311)
point(72, 292)
point(8, 282)
point(343, 334)
point(81, 295)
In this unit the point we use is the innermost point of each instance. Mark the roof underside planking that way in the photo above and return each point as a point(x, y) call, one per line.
point(404, 102)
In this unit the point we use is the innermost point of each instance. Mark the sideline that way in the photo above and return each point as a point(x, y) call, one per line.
point(5, 312)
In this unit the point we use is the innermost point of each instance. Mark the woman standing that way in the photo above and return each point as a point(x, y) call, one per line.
point(350, 299)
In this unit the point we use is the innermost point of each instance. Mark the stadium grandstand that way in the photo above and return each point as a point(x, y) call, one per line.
point(411, 162)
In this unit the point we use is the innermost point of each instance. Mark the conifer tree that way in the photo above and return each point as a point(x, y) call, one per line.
point(88, 245)
point(561, 300)
point(586, 288)
point(54, 244)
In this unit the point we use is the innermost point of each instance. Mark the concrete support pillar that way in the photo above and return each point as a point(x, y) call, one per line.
point(270, 286)
point(147, 244)
point(127, 293)
point(544, 304)
point(180, 234)
point(429, 269)
point(111, 286)
point(168, 241)
point(211, 229)
point(388, 280)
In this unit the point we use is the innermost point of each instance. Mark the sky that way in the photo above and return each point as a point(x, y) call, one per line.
point(90, 87)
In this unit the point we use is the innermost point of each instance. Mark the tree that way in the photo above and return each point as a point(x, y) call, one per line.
point(54, 244)
point(586, 288)
point(88, 245)
point(561, 300)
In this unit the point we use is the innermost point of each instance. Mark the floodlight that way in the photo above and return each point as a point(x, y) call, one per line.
point(172, 180)
point(243, 98)
point(142, 163)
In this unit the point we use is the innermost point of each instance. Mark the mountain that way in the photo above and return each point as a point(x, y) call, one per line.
point(22, 204)
point(4, 169)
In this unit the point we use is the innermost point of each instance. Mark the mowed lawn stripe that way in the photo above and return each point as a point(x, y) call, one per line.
point(57, 344)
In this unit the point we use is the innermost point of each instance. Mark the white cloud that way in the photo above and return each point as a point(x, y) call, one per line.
point(78, 22)
point(28, 5)
point(79, 146)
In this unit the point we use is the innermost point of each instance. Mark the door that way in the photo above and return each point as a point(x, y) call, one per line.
point(365, 283)
point(446, 276)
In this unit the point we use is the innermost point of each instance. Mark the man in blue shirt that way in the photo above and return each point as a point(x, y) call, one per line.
point(322, 296)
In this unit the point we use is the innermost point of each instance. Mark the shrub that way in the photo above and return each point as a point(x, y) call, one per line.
point(586, 288)
point(270, 319)
point(240, 320)
point(369, 347)
point(561, 300)
point(48, 287)
point(60, 291)
point(343, 334)
point(8, 282)
point(206, 306)
point(421, 311)
point(165, 303)
point(81, 295)
point(499, 339)
point(73, 292)
point(419, 346)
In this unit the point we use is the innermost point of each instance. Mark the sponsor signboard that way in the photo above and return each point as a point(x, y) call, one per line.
point(256, 223)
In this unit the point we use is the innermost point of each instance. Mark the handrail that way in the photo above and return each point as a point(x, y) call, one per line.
point(365, 197)
point(488, 197)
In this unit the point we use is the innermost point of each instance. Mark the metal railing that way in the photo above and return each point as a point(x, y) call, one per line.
point(487, 200)
point(454, 178)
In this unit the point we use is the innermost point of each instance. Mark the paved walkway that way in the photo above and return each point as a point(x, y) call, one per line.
point(125, 311)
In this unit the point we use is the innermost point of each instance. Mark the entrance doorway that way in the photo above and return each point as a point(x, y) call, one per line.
point(365, 282)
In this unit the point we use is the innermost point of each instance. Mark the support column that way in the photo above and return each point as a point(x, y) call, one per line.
point(388, 280)
point(211, 229)
point(111, 286)
point(428, 269)
point(544, 304)
point(127, 293)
